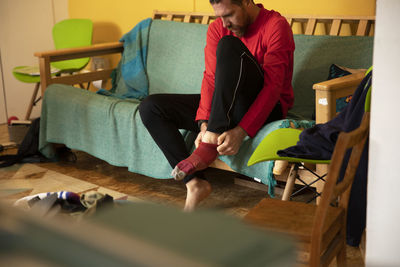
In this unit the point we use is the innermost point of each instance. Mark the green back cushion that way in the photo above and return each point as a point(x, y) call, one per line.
point(313, 57)
point(175, 60)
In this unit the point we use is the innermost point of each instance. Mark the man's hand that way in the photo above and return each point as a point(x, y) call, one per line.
point(230, 141)
point(203, 129)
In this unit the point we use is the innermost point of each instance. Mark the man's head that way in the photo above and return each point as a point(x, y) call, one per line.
point(236, 15)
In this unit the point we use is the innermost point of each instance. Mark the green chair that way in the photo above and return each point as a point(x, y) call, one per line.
point(68, 33)
point(279, 140)
point(72, 33)
point(286, 137)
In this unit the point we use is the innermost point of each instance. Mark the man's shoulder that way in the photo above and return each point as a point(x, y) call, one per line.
point(217, 28)
point(273, 16)
point(274, 21)
point(216, 24)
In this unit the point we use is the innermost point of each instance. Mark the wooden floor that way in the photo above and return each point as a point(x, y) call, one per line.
point(89, 173)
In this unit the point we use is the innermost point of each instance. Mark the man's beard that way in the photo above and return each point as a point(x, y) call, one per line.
point(240, 30)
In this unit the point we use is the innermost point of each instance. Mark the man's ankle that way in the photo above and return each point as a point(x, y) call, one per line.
point(210, 137)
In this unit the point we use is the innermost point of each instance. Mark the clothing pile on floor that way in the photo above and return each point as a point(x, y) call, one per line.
point(64, 202)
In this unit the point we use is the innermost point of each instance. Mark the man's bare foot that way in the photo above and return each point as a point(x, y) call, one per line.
point(197, 191)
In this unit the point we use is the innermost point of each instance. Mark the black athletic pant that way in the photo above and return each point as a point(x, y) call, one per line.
point(238, 80)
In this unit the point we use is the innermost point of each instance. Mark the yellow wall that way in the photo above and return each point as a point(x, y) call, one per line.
point(310, 7)
point(113, 18)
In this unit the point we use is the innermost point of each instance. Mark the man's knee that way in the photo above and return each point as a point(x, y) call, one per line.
point(148, 108)
point(228, 45)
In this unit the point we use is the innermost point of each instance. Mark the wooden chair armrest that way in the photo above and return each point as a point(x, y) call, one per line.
point(341, 82)
point(327, 92)
point(45, 58)
point(80, 52)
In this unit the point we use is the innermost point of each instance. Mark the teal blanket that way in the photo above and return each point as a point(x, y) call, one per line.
point(134, 82)
point(105, 127)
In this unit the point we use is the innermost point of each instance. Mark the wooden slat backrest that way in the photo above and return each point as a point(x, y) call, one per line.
point(362, 25)
point(190, 17)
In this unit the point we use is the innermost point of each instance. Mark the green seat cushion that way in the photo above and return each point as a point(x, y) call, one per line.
point(26, 78)
point(278, 140)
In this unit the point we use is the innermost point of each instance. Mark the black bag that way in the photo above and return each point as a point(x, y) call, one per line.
point(28, 151)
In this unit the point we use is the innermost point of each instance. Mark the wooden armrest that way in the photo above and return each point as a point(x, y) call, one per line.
point(327, 92)
point(45, 58)
point(79, 52)
point(341, 82)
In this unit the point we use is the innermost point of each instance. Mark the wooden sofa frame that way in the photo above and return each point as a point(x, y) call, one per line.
point(326, 92)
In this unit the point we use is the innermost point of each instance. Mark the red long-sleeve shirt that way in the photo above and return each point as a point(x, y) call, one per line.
point(270, 39)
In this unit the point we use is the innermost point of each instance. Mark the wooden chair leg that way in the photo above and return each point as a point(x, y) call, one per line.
point(341, 257)
point(31, 103)
point(290, 182)
point(362, 246)
point(280, 166)
point(319, 186)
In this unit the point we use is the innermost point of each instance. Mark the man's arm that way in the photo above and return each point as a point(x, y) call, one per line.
point(207, 86)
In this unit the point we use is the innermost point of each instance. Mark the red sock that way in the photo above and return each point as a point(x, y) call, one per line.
point(200, 159)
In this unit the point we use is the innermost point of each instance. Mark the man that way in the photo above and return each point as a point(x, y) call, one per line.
point(246, 84)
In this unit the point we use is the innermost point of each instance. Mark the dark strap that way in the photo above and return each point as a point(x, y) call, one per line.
point(8, 160)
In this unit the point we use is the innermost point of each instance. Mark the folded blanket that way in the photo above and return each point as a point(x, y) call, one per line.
point(134, 82)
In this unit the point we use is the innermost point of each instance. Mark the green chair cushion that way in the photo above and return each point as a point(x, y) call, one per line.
point(278, 140)
point(25, 77)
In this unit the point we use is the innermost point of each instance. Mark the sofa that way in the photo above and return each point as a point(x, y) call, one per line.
point(110, 128)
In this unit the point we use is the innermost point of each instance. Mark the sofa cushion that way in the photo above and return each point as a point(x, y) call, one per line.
point(313, 57)
point(175, 60)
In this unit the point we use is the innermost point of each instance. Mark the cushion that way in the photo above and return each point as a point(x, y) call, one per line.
point(314, 55)
point(175, 60)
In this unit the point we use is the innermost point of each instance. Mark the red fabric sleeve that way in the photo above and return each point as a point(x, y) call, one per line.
point(207, 86)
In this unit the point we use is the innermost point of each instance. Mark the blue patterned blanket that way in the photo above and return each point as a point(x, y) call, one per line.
point(134, 82)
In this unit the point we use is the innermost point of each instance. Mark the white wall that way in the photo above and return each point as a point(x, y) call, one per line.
point(25, 28)
point(383, 211)
point(3, 110)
